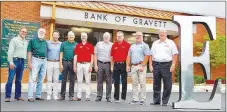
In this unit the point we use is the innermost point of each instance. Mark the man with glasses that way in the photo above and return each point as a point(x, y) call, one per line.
point(37, 52)
point(66, 66)
point(137, 60)
point(17, 53)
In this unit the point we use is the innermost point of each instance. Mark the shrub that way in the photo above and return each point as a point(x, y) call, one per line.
point(177, 73)
point(222, 78)
point(198, 79)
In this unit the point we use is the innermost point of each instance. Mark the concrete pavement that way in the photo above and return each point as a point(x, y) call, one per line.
point(66, 105)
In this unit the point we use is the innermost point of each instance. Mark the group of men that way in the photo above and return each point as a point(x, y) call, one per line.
point(77, 59)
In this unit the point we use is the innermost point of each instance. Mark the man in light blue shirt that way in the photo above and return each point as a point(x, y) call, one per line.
point(137, 57)
point(53, 57)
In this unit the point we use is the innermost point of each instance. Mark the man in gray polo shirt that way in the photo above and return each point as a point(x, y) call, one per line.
point(102, 66)
point(137, 59)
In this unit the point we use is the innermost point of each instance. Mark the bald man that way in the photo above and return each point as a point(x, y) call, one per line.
point(66, 66)
point(83, 61)
point(37, 53)
point(102, 66)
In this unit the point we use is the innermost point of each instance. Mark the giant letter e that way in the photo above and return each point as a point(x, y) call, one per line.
point(185, 25)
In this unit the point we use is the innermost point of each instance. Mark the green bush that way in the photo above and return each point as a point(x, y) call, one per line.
point(177, 73)
point(198, 79)
point(222, 78)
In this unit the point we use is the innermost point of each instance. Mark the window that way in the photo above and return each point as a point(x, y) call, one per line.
point(94, 34)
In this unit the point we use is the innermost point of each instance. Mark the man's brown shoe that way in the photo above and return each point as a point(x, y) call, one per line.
point(19, 99)
point(77, 99)
point(7, 100)
point(31, 100)
point(72, 99)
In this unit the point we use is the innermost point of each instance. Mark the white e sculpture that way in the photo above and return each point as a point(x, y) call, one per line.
point(186, 89)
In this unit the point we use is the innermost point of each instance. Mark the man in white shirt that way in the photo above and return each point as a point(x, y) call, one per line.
point(162, 63)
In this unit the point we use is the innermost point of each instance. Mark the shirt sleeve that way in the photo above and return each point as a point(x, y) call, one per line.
point(62, 47)
point(96, 48)
point(92, 49)
point(29, 49)
point(130, 51)
point(129, 46)
point(152, 49)
point(76, 49)
point(112, 50)
point(11, 50)
point(173, 48)
point(146, 50)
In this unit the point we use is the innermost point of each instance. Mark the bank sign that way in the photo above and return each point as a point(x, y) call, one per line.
point(116, 19)
point(125, 20)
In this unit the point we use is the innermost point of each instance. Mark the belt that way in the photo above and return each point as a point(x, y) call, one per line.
point(16, 58)
point(40, 57)
point(161, 62)
point(103, 62)
point(83, 62)
point(119, 62)
point(67, 60)
point(53, 60)
point(136, 64)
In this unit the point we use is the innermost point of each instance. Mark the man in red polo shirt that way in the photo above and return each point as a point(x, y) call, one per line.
point(119, 52)
point(83, 61)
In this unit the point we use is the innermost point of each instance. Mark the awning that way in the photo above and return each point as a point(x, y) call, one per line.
point(110, 16)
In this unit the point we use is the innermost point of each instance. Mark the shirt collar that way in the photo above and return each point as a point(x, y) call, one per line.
point(40, 39)
point(121, 42)
point(70, 42)
point(20, 38)
point(106, 43)
point(84, 44)
point(139, 43)
point(52, 42)
point(159, 41)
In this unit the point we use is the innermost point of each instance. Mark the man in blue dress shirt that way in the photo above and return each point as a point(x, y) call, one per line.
point(53, 54)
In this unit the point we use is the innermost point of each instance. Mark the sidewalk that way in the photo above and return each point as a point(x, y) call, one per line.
point(175, 87)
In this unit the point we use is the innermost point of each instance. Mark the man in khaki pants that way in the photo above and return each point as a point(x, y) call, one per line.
point(83, 61)
point(137, 57)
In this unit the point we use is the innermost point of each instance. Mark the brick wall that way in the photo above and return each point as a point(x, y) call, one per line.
point(22, 11)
